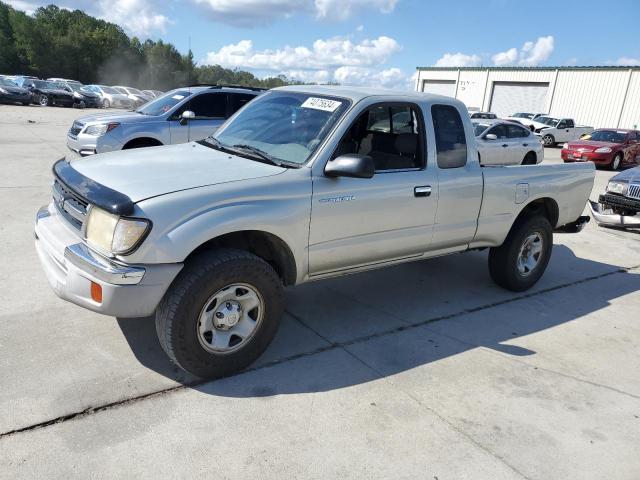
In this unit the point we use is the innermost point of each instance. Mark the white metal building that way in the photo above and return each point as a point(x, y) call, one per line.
point(595, 96)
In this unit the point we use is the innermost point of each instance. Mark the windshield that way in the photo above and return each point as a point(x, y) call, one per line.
point(479, 128)
point(109, 90)
point(7, 83)
point(285, 126)
point(135, 91)
point(611, 136)
point(76, 87)
point(163, 104)
point(522, 115)
point(552, 122)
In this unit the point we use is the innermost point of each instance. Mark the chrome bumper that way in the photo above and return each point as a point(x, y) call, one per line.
point(612, 219)
point(102, 268)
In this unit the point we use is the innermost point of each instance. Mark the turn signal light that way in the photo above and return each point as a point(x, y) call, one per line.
point(96, 292)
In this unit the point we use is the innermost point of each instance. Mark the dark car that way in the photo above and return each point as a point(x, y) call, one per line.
point(611, 147)
point(83, 97)
point(48, 93)
point(619, 205)
point(12, 93)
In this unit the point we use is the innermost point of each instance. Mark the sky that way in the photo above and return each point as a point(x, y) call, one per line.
point(378, 42)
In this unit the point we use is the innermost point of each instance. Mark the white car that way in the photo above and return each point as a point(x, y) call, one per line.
point(558, 130)
point(525, 118)
point(506, 143)
point(137, 97)
point(110, 97)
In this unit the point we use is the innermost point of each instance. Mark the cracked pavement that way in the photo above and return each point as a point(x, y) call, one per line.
point(424, 370)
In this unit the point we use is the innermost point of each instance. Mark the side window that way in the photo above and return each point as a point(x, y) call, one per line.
point(391, 135)
point(516, 132)
point(237, 101)
point(451, 142)
point(568, 123)
point(206, 106)
point(499, 131)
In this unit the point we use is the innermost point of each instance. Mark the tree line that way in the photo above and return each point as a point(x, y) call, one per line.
point(54, 42)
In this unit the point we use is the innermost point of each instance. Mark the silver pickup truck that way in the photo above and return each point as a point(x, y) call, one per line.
point(303, 183)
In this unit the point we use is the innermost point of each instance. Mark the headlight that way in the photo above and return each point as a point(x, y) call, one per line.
point(616, 187)
point(101, 129)
point(565, 146)
point(2, 90)
point(603, 150)
point(112, 234)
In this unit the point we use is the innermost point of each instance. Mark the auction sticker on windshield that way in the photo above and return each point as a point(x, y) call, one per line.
point(321, 104)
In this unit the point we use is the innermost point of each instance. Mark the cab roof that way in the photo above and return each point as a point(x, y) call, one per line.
point(356, 94)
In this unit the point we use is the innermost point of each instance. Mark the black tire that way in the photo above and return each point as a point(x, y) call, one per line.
point(26, 104)
point(548, 140)
point(503, 260)
point(530, 159)
point(616, 163)
point(43, 101)
point(177, 316)
point(106, 103)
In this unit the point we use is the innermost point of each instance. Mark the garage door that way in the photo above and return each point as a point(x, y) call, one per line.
point(441, 87)
point(511, 97)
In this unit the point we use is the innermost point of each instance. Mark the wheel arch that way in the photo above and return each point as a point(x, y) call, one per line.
point(145, 141)
point(546, 206)
point(269, 247)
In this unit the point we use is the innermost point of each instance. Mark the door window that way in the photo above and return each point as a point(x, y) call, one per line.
point(451, 141)
point(206, 106)
point(390, 134)
point(517, 132)
point(499, 131)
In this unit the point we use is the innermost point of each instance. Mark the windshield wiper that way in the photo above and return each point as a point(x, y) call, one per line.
point(265, 156)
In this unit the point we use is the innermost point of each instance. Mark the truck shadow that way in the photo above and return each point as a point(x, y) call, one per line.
point(398, 319)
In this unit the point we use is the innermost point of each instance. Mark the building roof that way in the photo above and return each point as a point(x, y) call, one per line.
point(592, 67)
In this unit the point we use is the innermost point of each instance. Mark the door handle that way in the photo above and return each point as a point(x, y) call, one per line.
point(505, 145)
point(422, 191)
point(525, 144)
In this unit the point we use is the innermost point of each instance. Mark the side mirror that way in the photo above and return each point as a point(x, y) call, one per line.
point(350, 165)
point(490, 136)
point(186, 116)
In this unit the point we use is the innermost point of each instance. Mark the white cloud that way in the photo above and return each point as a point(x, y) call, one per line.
point(362, 76)
point(530, 54)
point(250, 13)
point(324, 54)
point(628, 62)
point(458, 60)
point(138, 17)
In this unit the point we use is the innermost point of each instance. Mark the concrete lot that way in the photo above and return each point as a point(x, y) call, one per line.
point(425, 370)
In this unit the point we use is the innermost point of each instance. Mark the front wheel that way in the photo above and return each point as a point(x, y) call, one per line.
point(106, 103)
point(523, 257)
point(43, 100)
point(220, 313)
point(616, 162)
point(548, 140)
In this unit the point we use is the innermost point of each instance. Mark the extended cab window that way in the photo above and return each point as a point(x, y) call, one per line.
point(390, 134)
point(451, 142)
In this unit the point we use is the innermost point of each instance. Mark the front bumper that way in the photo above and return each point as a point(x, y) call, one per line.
point(83, 145)
point(71, 267)
point(604, 216)
point(569, 156)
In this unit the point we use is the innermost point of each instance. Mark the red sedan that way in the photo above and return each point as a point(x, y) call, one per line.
point(609, 147)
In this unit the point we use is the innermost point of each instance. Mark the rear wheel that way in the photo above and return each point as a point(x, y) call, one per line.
point(221, 312)
point(548, 140)
point(106, 103)
point(43, 100)
point(523, 257)
point(616, 162)
point(530, 159)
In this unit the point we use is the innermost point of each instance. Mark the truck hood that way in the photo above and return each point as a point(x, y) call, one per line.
point(631, 176)
point(120, 117)
point(143, 173)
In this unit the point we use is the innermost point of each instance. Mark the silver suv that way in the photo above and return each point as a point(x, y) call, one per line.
point(179, 116)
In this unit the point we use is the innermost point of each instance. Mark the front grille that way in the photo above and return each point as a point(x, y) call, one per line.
point(634, 191)
point(75, 129)
point(618, 201)
point(69, 205)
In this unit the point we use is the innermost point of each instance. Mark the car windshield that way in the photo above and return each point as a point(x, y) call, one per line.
point(163, 104)
point(611, 136)
point(522, 115)
point(282, 126)
point(479, 128)
point(76, 87)
point(135, 91)
point(552, 122)
point(109, 90)
point(7, 83)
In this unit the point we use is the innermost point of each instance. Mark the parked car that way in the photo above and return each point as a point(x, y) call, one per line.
point(526, 119)
point(294, 187)
point(507, 143)
point(110, 97)
point(137, 97)
point(82, 97)
point(48, 93)
point(179, 116)
point(619, 206)
point(482, 115)
point(20, 80)
point(152, 93)
point(12, 93)
point(613, 148)
point(558, 130)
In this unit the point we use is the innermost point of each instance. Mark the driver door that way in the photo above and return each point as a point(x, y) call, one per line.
point(357, 222)
point(210, 112)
